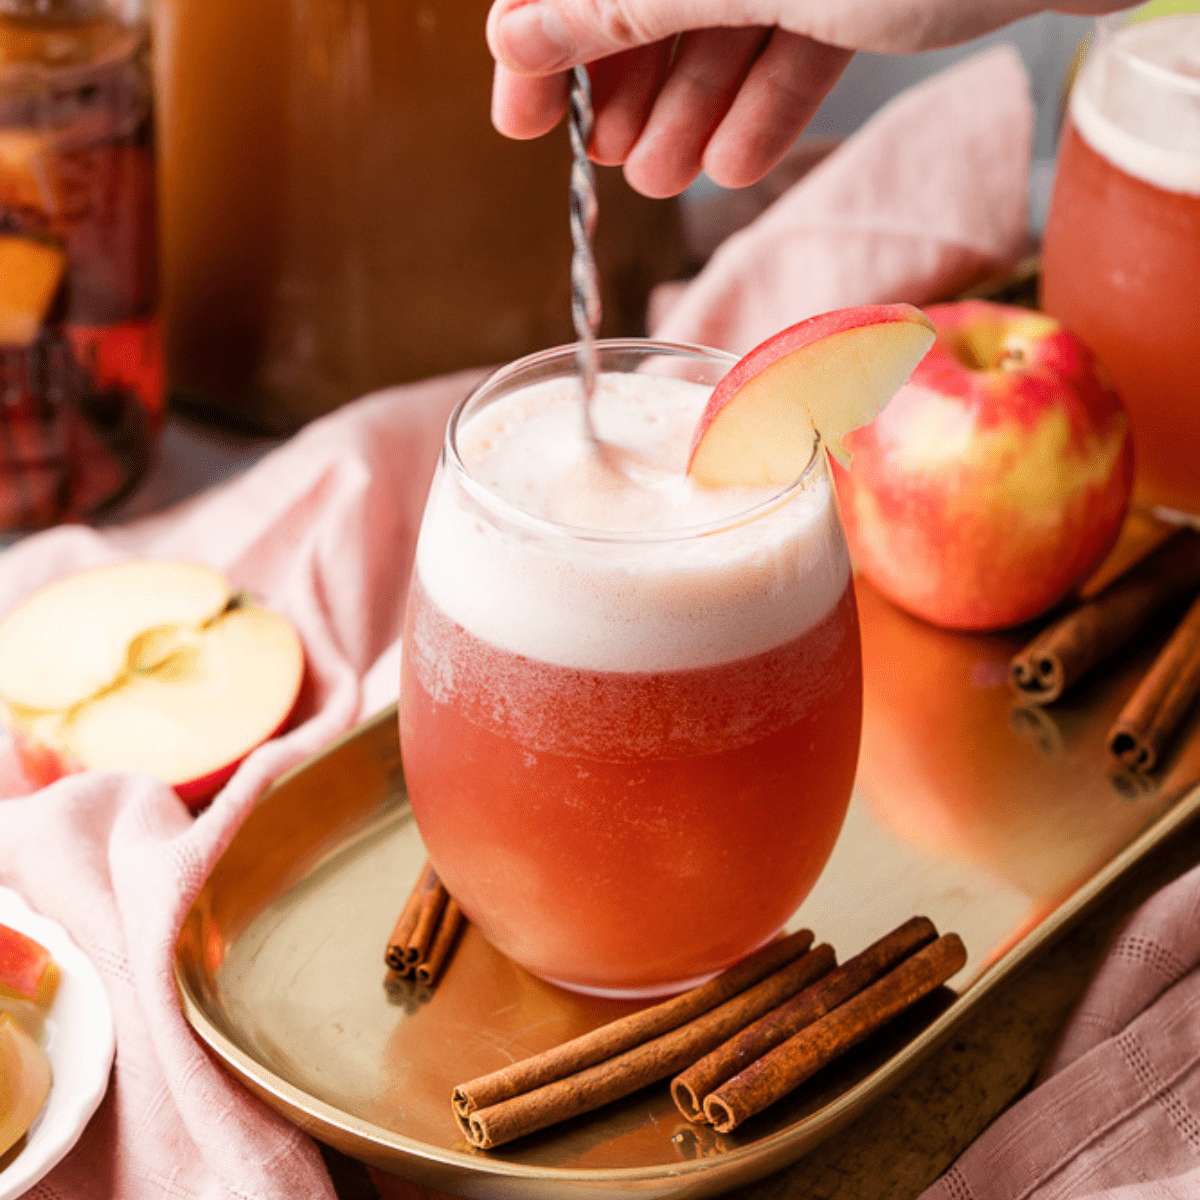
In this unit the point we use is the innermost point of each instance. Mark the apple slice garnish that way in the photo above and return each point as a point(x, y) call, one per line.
point(832, 373)
point(27, 970)
point(151, 666)
point(24, 1082)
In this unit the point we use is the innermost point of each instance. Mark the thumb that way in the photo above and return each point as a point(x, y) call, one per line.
point(537, 37)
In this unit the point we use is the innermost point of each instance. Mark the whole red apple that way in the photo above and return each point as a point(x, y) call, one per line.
point(996, 479)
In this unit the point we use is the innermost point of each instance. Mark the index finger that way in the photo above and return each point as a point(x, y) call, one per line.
point(527, 106)
point(538, 37)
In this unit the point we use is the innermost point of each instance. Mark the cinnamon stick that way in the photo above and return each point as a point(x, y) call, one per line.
point(689, 1088)
point(1087, 635)
point(801, 1056)
point(1153, 712)
point(643, 1064)
point(429, 968)
point(621, 1035)
point(425, 931)
point(396, 955)
point(429, 915)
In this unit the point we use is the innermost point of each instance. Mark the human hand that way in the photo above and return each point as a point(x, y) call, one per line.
point(723, 86)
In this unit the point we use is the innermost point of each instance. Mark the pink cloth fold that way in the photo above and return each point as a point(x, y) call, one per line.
point(929, 197)
point(1117, 1116)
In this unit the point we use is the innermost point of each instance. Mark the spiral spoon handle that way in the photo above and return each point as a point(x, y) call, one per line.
point(585, 277)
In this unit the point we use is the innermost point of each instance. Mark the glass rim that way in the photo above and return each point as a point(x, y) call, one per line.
point(1112, 24)
point(566, 354)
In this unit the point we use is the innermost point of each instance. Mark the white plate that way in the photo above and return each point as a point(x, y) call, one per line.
point(78, 1039)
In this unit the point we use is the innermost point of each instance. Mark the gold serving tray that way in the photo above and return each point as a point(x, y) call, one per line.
point(996, 821)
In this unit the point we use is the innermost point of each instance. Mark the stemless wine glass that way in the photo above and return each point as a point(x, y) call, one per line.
point(629, 726)
point(1121, 256)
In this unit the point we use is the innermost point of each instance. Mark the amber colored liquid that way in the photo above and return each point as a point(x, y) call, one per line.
point(81, 398)
point(629, 832)
point(339, 214)
point(222, 76)
point(1121, 267)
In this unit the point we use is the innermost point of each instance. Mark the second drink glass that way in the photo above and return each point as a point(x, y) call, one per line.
point(1121, 254)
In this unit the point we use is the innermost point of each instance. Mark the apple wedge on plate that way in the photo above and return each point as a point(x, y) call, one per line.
point(152, 666)
point(24, 1082)
point(28, 973)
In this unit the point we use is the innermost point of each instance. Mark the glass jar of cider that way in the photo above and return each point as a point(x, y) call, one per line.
point(81, 386)
point(339, 214)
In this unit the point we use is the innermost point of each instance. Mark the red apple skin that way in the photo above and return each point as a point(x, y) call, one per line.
point(42, 765)
point(196, 793)
point(26, 967)
point(794, 338)
point(982, 495)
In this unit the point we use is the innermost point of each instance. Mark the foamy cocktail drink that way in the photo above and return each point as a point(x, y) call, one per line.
point(1121, 255)
point(630, 705)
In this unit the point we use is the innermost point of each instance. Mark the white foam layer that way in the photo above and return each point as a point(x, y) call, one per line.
point(1137, 102)
point(641, 603)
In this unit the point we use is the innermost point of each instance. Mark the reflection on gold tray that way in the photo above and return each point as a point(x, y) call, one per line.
point(996, 821)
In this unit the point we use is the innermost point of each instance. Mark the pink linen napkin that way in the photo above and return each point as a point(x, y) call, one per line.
point(929, 197)
point(1117, 1116)
point(323, 530)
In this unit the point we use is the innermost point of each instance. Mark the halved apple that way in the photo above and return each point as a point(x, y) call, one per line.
point(74, 636)
point(24, 1082)
point(27, 969)
point(833, 372)
point(150, 665)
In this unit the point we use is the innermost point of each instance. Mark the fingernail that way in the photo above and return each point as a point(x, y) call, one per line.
point(532, 39)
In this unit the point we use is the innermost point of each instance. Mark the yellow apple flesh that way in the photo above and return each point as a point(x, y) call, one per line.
point(75, 636)
point(200, 715)
point(24, 1082)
